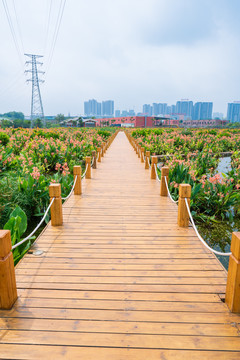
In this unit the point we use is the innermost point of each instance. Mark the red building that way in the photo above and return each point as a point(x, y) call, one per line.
point(132, 121)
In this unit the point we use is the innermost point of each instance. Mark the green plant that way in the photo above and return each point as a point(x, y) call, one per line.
point(4, 139)
point(17, 224)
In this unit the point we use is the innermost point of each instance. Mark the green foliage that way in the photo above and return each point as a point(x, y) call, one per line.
point(4, 139)
point(17, 224)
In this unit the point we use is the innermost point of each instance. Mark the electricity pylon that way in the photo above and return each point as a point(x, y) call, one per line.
point(36, 104)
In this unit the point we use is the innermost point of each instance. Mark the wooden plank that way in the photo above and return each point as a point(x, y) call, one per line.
point(89, 353)
point(119, 273)
point(187, 288)
point(119, 327)
point(121, 340)
point(119, 305)
point(121, 280)
point(124, 315)
point(111, 295)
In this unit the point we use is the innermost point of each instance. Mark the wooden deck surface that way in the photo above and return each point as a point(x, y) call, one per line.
point(120, 280)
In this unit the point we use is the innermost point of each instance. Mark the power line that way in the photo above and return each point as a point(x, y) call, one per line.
point(48, 25)
point(18, 25)
point(56, 32)
point(5, 5)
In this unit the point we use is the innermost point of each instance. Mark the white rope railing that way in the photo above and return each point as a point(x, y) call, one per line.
point(67, 197)
point(157, 173)
point(36, 228)
point(169, 194)
point(199, 236)
point(84, 172)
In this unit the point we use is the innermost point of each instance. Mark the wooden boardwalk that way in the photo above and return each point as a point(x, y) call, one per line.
point(120, 280)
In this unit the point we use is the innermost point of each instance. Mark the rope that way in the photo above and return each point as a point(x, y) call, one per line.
point(33, 232)
point(85, 172)
point(157, 173)
point(169, 194)
point(71, 190)
point(199, 236)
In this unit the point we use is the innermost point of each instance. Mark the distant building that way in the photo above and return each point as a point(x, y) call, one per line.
point(117, 113)
point(204, 123)
point(92, 108)
point(218, 115)
point(147, 109)
point(108, 108)
point(233, 112)
point(202, 110)
point(185, 107)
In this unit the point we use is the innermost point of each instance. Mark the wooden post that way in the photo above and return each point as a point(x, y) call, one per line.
point(138, 150)
point(142, 154)
point(147, 160)
point(184, 192)
point(94, 159)
point(153, 171)
point(136, 146)
point(88, 165)
point(163, 187)
point(233, 280)
point(56, 208)
point(102, 147)
point(99, 154)
point(8, 288)
point(77, 171)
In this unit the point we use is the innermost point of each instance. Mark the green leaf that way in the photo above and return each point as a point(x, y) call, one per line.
point(23, 217)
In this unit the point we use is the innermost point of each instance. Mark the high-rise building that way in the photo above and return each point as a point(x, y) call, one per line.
point(202, 111)
point(147, 109)
point(233, 112)
point(92, 108)
point(131, 113)
point(184, 107)
point(108, 108)
point(162, 108)
point(117, 113)
point(155, 109)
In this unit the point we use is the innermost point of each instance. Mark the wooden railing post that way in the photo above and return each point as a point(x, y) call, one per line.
point(142, 154)
point(77, 171)
point(163, 187)
point(232, 298)
point(147, 160)
point(99, 153)
point(184, 192)
point(56, 208)
point(102, 152)
point(136, 146)
point(8, 288)
point(138, 150)
point(94, 159)
point(88, 165)
point(153, 171)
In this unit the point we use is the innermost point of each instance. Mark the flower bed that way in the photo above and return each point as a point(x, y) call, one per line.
point(32, 159)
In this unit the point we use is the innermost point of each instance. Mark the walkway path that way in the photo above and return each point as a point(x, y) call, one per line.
point(120, 280)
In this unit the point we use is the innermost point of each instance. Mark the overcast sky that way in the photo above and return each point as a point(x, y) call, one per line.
point(131, 51)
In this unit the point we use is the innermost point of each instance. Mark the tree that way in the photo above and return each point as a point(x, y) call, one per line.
point(14, 115)
point(38, 123)
point(59, 118)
